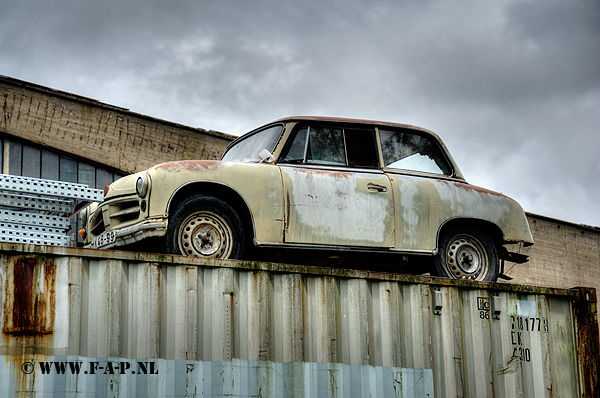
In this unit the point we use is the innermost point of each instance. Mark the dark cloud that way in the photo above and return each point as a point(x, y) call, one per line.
point(512, 86)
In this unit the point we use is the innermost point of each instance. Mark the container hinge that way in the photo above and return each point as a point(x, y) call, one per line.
point(496, 306)
point(437, 301)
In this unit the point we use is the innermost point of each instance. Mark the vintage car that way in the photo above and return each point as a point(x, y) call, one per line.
point(315, 183)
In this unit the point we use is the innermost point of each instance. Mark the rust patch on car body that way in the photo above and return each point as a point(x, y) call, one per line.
point(188, 165)
point(335, 174)
point(469, 187)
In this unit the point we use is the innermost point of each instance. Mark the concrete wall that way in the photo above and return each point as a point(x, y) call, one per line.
point(102, 133)
point(564, 255)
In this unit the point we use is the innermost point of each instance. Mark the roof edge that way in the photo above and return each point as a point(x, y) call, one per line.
point(563, 222)
point(94, 102)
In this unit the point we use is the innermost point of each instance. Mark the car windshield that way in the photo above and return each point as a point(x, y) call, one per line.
point(247, 149)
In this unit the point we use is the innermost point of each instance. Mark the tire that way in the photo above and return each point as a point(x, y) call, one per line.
point(205, 226)
point(467, 254)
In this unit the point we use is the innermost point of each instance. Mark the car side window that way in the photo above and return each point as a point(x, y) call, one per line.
point(325, 146)
point(333, 146)
point(298, 147)
point(361, 148)
point(410, 151)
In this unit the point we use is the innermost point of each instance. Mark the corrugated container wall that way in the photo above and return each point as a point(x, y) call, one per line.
point(79, 322)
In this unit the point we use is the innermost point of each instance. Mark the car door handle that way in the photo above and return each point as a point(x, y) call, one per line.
point(376, 188)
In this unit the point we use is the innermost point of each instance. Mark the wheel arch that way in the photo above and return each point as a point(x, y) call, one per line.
point(493, 230)
point(221, 191)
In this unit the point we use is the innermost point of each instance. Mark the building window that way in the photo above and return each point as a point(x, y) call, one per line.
point(68, 170)
point(50, 162)
point(32, 157)
point(32, 161)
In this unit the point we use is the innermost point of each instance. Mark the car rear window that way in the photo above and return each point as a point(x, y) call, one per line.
point(409, 151)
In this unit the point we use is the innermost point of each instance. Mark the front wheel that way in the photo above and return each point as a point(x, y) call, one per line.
point(467, 254)
point(205, 226)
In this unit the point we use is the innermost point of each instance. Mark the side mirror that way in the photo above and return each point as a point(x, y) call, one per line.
point(266, 156)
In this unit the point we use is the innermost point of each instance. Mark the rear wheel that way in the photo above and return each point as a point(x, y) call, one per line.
point(205, 226)
point(467, 254)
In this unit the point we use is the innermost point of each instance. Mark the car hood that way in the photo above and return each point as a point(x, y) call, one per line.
point(123, 186)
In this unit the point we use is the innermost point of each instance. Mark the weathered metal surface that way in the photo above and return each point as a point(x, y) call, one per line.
point(122, 377)
point(214, 328)
point(33, 219)
point(30, 293)
point(423, 205)
point(37, 211)
point(23, 233)
point(333, 207)
point(48, 188)
point(256, 184)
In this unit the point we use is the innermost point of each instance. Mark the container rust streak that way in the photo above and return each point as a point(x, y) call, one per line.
point(586, 313)
point(29, 312)
point(29, 305)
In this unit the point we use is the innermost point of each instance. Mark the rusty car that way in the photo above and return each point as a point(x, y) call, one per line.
point(316, 185)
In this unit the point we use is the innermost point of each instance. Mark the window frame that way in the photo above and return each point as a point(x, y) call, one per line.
point(344, 127)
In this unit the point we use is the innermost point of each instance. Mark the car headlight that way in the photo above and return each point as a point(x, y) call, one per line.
point(141, 185)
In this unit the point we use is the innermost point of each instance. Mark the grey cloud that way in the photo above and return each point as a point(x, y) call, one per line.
point(512, 86)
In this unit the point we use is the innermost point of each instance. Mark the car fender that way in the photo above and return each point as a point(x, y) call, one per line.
point(258, 185)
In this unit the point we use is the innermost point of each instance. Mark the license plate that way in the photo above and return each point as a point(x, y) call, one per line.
point(104, 239)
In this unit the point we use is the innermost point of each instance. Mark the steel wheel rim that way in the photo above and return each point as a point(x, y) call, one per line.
point(466, 258)
point(205, 234)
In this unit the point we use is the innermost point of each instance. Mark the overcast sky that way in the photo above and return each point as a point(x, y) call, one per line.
point(511, 86)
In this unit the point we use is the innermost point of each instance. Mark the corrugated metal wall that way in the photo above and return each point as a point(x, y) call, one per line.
point(169, 326)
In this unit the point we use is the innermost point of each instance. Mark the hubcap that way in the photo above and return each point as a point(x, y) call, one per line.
point(466, 258)
point(205, 234)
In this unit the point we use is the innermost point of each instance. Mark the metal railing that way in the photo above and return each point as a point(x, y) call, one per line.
point(37, 211)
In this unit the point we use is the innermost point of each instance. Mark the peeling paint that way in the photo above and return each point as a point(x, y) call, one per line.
point(188, 165)
point(425, 204)
point(336, 208)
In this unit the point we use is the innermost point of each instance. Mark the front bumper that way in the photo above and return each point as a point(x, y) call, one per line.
point(131, 234)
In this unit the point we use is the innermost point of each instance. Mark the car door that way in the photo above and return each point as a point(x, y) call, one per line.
point(335, 193)
point(420, 175)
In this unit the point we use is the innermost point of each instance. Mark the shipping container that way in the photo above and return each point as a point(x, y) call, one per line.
point(83, 322)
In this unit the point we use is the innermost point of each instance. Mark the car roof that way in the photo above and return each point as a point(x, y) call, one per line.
point(377, 123)
point(349, 120)
point(295, 119)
